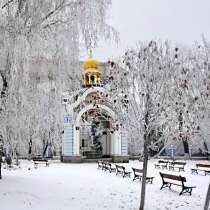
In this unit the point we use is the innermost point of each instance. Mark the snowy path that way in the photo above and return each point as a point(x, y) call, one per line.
point(83, 187)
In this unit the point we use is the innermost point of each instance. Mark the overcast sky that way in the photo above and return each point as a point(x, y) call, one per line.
point(180, 21)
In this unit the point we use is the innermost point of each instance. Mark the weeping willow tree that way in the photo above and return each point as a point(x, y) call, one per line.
point(39, 58)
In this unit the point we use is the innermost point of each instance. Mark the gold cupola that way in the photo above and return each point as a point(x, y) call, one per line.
point(91, 76)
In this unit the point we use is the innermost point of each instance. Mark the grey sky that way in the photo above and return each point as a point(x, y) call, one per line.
point(181, 21)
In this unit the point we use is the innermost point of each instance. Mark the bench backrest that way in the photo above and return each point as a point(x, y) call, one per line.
point(118, 167)
point(173, 177)
point(162, 161)
point(137, 170)
point(108, 164)
point(202, 165)
point(40, 160)
point(104, 163)
point(179, 163)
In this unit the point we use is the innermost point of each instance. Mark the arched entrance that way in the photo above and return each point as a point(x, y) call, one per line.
point(110, 142)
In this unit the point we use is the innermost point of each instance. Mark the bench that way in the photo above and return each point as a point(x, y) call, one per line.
point(138, 174)
point(110, 167)
point(178, 165)
point(100, 164)
point(121, 170)
point(40, 161)
point(106, 166)
point(177, 180)
point(162, 163)
point(201, 167)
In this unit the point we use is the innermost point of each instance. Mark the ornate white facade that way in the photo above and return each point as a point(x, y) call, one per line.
point(92, 101)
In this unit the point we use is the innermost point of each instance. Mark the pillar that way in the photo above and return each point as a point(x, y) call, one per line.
point(89, 78)
point(76, 145)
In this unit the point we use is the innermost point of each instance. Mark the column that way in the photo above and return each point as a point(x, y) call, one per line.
point(115, 143)
point(89, 78)
point(76, 150)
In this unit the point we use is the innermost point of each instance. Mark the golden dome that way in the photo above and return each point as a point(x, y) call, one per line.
point(90, 63)
point(92, 75)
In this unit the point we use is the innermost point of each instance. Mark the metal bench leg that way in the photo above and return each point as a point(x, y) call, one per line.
point(190, 191)
point(181, 191)
point(163, 186)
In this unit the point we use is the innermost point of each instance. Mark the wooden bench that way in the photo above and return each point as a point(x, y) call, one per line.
point(138, 174)
point(177, 180)
point(121, 170)
point(179, 165)
point(201, 167)
point(40, 161)
point(106, 166)
point(162, 163)
point(100, 164)
point(110, 167)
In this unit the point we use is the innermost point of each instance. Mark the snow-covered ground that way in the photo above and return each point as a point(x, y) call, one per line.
point(84, 187)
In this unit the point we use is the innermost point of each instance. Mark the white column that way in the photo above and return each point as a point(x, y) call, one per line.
point(89, 79)
point(112, 148)
point(76, 142)
point(116, 143)
point(67, 138)
point(124, 142)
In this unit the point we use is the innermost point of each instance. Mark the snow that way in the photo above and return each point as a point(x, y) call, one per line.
point(84, 187)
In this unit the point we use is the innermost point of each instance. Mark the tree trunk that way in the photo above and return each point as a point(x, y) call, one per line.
point(206, 207)
point(30, 148)
point(0, 169)
point(45, 149)
point(143, 185)
point(186, 149)
point(186, 146)
point(184, 138)
point(146, 141)
point(4, 75)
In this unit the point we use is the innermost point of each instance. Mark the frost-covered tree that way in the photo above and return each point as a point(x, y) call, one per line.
point(146, 77)
point(190, 95)
point(163, 92)
point(39, 53)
